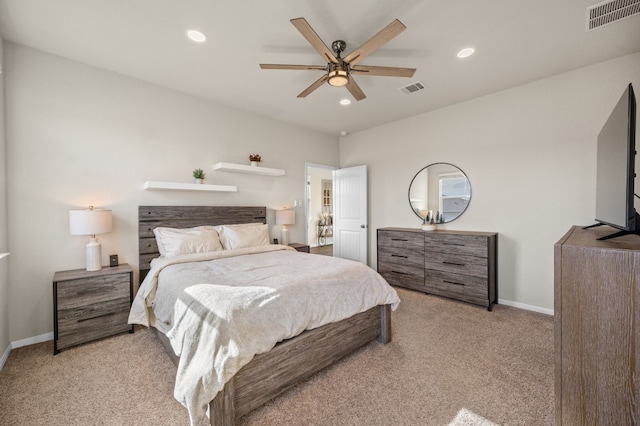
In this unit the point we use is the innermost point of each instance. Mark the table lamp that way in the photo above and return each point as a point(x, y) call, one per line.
point(284, 218)
point(91, 222)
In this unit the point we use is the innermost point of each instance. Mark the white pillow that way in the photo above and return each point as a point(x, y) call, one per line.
point(174, 242)
point(243, 235)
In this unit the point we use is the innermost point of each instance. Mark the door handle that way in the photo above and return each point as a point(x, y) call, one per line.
point(363, 226)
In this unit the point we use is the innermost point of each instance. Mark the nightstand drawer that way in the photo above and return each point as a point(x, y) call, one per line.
point(90, 322)
point(86, 291)
point(304, 248)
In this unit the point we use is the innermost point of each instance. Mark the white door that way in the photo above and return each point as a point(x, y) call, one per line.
point(350, 227)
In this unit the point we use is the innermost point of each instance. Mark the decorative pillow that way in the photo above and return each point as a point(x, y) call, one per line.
point(174, 241)
point(243, 235)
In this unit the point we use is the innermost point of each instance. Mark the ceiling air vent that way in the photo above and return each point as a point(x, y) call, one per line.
point(413, 87)
point(610, 11)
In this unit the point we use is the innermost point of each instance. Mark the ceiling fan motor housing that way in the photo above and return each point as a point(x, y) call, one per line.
point(338, 47)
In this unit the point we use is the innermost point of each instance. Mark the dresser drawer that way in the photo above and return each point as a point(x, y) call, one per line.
point(401, 257)
point(472, 245)
point(465, 265)
point(392, 241)
point(457, 286)
point(403, 277)
point(84, 291)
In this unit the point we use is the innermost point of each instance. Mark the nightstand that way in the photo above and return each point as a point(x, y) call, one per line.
point(91, 305)
point(300, 247)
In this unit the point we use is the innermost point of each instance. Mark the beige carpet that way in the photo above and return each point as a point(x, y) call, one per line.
point(449, 364)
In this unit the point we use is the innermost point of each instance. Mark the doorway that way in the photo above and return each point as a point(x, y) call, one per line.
point(319, 208)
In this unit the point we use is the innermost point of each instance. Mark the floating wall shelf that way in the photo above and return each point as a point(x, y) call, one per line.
point(188, 186)
point(241, 168)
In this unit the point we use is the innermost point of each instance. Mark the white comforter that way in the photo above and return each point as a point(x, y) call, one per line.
point(220, 309)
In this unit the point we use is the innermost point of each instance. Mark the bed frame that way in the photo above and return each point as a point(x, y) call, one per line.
point(290, 361)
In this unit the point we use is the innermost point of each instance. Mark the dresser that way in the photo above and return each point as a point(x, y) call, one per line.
point(460, 265)
point(90, 305)
point(597, 328)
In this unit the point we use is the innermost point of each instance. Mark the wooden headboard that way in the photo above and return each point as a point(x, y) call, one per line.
point(150, 217)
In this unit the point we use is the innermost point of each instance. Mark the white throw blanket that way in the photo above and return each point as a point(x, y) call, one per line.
point(223, 308)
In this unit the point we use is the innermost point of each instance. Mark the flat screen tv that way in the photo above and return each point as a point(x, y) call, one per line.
point(615, 174)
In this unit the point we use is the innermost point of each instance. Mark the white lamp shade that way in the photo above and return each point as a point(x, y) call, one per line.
point(285, 217)
point(89, 222)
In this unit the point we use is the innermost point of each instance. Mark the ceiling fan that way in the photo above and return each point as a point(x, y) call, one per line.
point(340, 71)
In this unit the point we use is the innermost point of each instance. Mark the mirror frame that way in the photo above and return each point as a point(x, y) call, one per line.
point(426, 167)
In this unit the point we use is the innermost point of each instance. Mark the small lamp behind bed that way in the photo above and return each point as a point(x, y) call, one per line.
point(284, 218)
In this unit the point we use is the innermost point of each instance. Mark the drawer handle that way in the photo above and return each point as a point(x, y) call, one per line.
point(89, 292)
point(398, 239)
point(398, 272)
point(399, 255)
point(97, 316)
point(452, 282)
point(453, 263)
point(453, 244)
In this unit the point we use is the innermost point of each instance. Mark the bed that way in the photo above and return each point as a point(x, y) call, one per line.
point(290, 361)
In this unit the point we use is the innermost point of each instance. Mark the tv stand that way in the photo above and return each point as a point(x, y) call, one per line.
point(597, 329)
point(592, 226)
point(615, 234)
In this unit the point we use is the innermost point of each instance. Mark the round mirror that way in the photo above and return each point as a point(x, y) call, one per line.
point(439, 193)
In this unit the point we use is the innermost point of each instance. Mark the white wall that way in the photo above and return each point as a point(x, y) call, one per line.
point(4, 284)
point(80, 136)
point(530, 154)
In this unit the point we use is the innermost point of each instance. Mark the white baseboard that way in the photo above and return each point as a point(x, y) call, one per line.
point(24, 342)
point(32, 340)
point(525, 306)
point(5, 355)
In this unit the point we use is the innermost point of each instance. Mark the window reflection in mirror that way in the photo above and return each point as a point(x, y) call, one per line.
point(440, 189)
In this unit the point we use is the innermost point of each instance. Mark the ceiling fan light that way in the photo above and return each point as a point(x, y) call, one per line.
point(338, 77)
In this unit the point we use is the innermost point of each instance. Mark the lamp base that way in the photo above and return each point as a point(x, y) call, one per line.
point(285, 236)
point(94, 255)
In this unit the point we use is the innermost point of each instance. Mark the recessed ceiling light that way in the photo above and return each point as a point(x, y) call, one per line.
point(343, 133)
point(196, 36)
point(345, 101)
point(466, 52)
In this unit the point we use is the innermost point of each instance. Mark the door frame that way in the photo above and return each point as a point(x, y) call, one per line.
point(308, 166)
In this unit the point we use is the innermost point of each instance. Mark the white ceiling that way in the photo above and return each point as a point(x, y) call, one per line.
point(516, 41)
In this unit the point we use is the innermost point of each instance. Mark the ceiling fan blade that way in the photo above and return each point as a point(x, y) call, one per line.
point(383, 71)
point(355, 90)
point(292, 67)
point(312, 37)
point(369, 46)
point(319, 82)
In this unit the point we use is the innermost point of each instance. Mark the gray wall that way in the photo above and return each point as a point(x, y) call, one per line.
point(80, 136)
point(530, 154)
